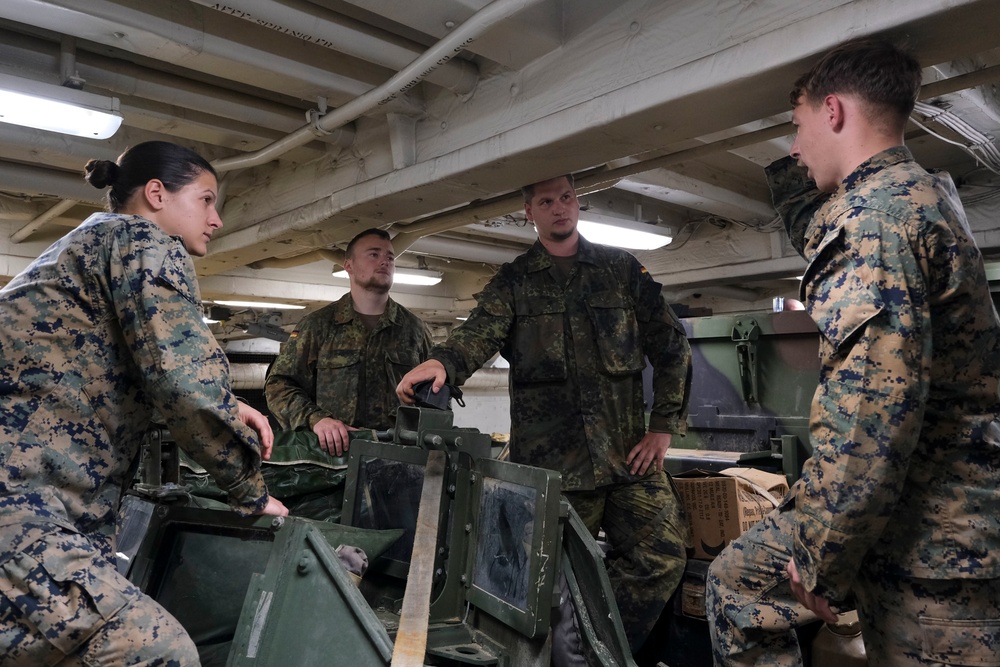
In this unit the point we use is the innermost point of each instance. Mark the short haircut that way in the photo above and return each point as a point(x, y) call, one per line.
point(884, 76)
point(372, 231)
point(528, 191)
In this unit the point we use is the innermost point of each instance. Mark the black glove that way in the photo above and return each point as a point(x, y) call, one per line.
point(424, 396)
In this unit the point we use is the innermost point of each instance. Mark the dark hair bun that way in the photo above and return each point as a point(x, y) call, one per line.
point(101, 173)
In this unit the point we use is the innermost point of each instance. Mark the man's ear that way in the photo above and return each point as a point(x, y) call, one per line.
point(527, 211)
point(155, 193)
point(834, 112)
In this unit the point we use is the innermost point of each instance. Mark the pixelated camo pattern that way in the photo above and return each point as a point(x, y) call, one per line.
point(907, 447)
point(59, 597)
point(103, 329)
point(905, 621)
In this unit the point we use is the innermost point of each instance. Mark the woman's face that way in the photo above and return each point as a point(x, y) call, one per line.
point(190, 213)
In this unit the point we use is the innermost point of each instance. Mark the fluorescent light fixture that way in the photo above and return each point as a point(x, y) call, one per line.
point(45, 106)
point(622, 233)
point(262, 305)
point(406, 276)
point(417, 277)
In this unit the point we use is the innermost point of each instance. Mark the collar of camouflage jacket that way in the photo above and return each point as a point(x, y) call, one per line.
point(539, 258)
point(344, 310)
point(872, 165)
point(808, 232)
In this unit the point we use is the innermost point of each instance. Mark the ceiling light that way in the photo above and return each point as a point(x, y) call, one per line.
point(417, 277)
point(622, 233)
point(45, 106)
point(262, 305)
point(406, 276)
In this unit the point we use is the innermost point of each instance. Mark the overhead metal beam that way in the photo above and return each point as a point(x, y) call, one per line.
point(734, 273)
point(39, 181)
point(201, 40)
point(38, 222)
point(342, 34)
point(699, 195)
point(396, 86)
point(538, 118)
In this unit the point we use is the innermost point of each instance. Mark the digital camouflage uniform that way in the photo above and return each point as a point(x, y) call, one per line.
point(103, 329)
point(575, 348)
point(899, 504)
point(319, 371)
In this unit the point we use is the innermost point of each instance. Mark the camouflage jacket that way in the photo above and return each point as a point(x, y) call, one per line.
point(319, 371)
point(576, 358)
point(906, 462)
point(103, 329)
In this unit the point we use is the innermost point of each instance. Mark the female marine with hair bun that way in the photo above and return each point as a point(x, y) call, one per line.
point(97, 334)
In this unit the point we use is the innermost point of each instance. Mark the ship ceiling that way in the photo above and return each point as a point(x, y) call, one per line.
point(326, 117)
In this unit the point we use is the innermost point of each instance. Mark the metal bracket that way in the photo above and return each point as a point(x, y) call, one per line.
point(786, 447)
point(745, 335)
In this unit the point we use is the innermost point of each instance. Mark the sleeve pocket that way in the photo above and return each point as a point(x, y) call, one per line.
point(844, 298)
point(177, 272)
point(66, 598)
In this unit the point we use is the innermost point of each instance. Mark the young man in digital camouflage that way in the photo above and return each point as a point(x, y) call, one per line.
point(339, 369)
point(575, 321)
point(898, 509)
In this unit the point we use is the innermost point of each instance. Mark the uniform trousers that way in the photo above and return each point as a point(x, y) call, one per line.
point(62, 603)
point(905, 621)
point(645, 526)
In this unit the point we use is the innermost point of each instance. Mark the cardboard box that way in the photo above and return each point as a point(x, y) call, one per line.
point(720, 506)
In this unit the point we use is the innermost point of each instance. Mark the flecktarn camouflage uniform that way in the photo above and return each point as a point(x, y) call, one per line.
point(575, 347)
point(331, 358)
point(101, 330)
point(899, 505)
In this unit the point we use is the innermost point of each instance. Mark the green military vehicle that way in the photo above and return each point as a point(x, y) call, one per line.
point(468, 556)
point(754, 379)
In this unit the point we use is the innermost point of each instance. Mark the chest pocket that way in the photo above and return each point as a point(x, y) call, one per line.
point(616, 331)
point(539, 350)
point(337, 374)
point(399, 362)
